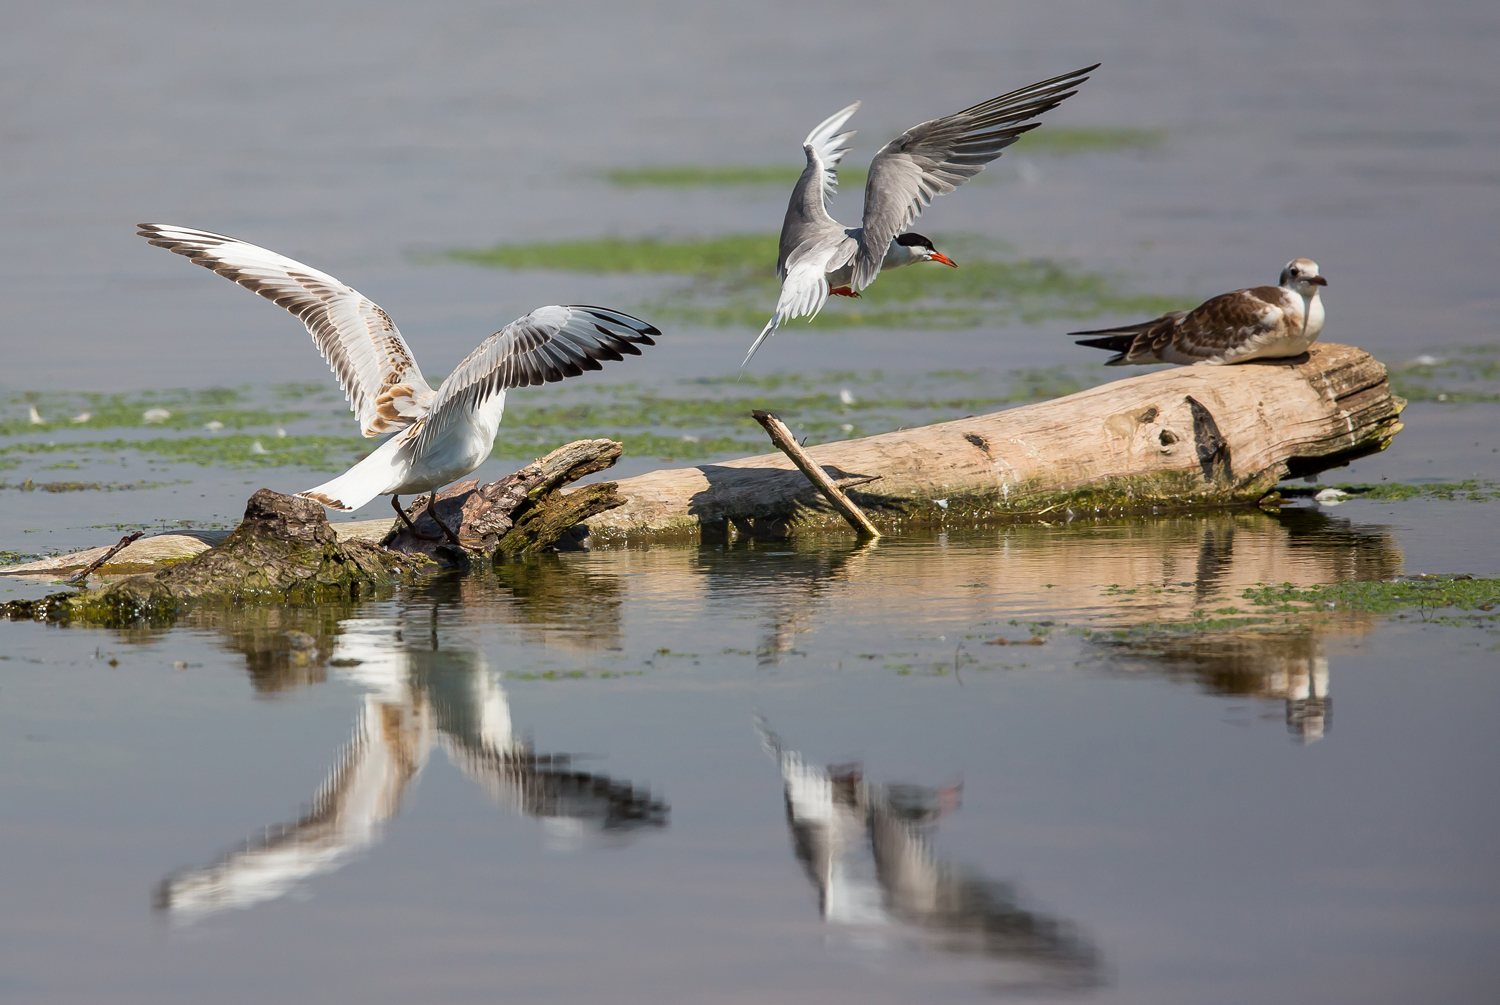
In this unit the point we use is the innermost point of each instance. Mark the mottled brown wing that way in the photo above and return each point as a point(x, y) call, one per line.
point(1226, 322)
point(366, 352)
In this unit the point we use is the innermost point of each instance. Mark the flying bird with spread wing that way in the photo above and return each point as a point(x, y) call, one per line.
point(440, 435)
point(820, 257)
point(1264, 322)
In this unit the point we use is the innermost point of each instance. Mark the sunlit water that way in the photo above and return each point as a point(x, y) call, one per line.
point(799, 772)
point(773, 771)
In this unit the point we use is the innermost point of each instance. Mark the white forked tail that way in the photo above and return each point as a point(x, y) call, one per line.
point(765, 333)
point(374, 476)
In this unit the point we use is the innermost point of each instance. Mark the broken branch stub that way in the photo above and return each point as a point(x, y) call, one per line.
point(1190, 437)
point(522, 512)
point(783, 438)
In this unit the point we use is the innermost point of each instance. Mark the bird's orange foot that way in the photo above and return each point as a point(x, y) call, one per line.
point(842, 291)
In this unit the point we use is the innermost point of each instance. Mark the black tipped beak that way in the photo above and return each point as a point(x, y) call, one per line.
point(1318, 281)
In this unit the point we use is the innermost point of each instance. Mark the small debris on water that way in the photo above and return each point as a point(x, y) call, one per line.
point(847, 396)
point(82, 417)
point(153, 415)
point(258, 448)
point(281, 433)
point(941, 503)
point(1331, 497)
point(214, 426)
point(36, 417)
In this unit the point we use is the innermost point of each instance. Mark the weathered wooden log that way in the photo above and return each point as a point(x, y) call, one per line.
point(1189, 437)
point(521, 513)
point(283, 551)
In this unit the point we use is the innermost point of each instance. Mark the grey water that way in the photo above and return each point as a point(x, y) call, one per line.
point(776, 771)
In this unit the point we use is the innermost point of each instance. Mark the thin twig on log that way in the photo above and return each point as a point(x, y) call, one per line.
point(782, 437)
point(83, 574)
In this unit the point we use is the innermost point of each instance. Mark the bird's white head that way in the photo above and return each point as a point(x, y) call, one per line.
point(919, 249)
point(1301, 277)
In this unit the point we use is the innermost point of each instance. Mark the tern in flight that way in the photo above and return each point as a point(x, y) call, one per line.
point(443, 434)
point(1266, 322)
point(820, 256)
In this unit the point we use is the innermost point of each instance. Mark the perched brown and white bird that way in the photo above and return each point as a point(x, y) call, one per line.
point(1265, 322)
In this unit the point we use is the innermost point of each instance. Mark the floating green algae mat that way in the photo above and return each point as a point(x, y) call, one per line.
point(325, 453)
point(686, 419)
point(734, 283)
point(1460, 375)
point(1470, 489)
point(45, 411)
point(705, 256)
point(1427, 594)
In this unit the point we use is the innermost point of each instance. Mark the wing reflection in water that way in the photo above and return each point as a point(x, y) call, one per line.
point(414, 699)
point(867, 851)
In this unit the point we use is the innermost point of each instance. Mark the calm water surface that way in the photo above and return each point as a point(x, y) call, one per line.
point(769, 772)
point(778, 772)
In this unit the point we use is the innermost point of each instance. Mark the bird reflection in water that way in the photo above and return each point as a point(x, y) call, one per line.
point(1286, 666)
point(867, 850)
point(414, 700)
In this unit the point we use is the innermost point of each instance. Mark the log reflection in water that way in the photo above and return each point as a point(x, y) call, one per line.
point(867, 850)
point(415, 696)
point(1282, 663)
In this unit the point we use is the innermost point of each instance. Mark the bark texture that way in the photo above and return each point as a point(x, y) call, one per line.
point(521, 513)
point(283, 551)
point(1189, 437)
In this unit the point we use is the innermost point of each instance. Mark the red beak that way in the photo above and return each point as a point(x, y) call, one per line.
point(938, 256)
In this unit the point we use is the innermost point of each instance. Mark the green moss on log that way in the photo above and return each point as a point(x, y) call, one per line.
point(284, 551)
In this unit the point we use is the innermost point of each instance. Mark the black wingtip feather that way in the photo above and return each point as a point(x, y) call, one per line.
point(1113, 343)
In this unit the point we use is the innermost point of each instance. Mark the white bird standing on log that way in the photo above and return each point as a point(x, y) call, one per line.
point(1265, 322)
point(820, 257)
point(441, 435)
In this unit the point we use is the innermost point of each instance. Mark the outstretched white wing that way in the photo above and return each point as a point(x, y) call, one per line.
point(831, 146)
point(372, 361)
point(549, 344)
point(936, 157)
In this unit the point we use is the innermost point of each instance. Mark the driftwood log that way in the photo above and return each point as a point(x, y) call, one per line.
point(1189, 437)
point(521, 513)
point(284, 550)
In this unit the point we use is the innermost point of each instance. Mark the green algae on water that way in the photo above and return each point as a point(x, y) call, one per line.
point(706, 256)
point(323, 453)
point(1470, 490)
point(1421, 593)
point(734, 286)
point(1463, 374)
